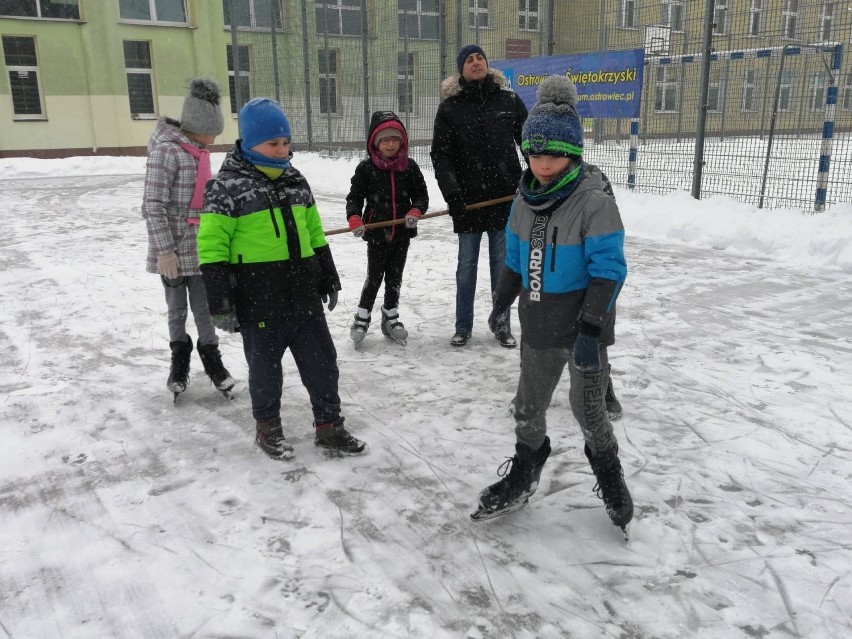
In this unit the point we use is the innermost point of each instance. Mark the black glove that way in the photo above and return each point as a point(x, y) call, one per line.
point(587, 354)
point(330, 299)
point(456, 206)
point(498, 321)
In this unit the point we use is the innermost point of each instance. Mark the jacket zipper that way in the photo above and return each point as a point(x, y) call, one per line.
point(553, 249)
point(393, 203)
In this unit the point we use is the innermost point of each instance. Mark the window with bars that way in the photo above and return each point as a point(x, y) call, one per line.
point(720, 17)
point(785, 92)
point(715, 95)
point(254, 14)
point(750, 97)
point(755, 18)
point(328, 80)
point(405, 83)
point(19, 53)
point(790, 19)
point(666, 88)
point(165, 11)
point(673, 14)
point(818, 91)
point(478, 13)
point(419, 19)
point(627, 13)
point(826, 21)
point(241, 76)
point(58, 9)
point(339, 17)
point(140, 79)
point(528, 15)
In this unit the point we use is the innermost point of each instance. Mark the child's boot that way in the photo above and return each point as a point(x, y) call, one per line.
point(611, 487)
point(270, 439)
point(358, 330)
point(179, 372)
point(392, 327)
point(211, 359)
point(336, 439)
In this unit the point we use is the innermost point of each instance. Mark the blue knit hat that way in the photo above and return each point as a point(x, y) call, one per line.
point(465, 51)
point(554, 127)
point(262, 119)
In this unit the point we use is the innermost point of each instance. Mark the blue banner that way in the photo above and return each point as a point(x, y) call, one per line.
point(609, 83)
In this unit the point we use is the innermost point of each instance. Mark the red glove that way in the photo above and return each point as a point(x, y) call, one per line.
point(411, 218)
point(356, 225)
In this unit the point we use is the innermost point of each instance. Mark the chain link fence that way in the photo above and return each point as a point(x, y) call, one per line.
point(777, 89)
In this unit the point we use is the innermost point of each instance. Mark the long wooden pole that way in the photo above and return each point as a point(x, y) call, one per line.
point(378, 225)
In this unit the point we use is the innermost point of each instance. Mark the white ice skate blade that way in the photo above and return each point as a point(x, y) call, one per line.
point(483, 514)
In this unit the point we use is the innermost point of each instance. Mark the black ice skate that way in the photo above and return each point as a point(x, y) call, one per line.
point(393, 328)
point(613, 406)
point(179, 372)
point(358, 330)
point(521, 475)
point(337, 440)
point(211, 359)
point(611, 487)
point(270, 439)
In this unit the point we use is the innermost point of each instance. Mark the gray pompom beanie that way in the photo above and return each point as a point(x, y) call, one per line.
point(201, 113)
point(554, 127)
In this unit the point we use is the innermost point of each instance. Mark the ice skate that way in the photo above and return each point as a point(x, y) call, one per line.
point(336, 439)
point(611, 487)
point(358, 330)
point(211, 359)
point(393, 328)
point(179, 372)
point(521, 475)
point(270, 439)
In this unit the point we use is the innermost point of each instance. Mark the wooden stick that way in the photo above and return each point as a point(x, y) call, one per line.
point(378, 225)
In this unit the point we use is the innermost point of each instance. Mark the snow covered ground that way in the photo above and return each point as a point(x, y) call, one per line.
point(124, 515)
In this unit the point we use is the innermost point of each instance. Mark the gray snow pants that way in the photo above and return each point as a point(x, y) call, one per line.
point(177, 292)
point(541, 370)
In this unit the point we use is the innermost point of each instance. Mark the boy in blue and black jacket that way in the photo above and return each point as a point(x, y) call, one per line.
point(565, 257)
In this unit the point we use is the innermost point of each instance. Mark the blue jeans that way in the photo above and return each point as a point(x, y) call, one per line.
point(466, 273)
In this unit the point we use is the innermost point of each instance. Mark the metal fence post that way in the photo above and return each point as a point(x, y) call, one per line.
point(307, 71)
point(275, 76)
point(828, 131)
point(634, 152)
point(701, 123)
point(365, 70)
point(235, 56)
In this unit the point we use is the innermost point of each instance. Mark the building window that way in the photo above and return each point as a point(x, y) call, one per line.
point(24, 84)
point(673, 14)
point(61, 9)
point(169, 11)
point(328, 80)
point(818, 93)
point(755, 21)
point(405, 83)
point(846, 100)
point(339, 17)
point(528, 15)
point(715, 95)
point(666, 88)
point(140, 79)
point(627, 13)
point(478, 13)
point(826, 22)
point(785, 92)
point(790, 19)
point(750, 91)
point(254, 14)
point(243, 76)
point(419, 19)
point(720, 17)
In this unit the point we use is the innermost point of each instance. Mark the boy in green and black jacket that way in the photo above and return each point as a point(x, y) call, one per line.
point(268, 269)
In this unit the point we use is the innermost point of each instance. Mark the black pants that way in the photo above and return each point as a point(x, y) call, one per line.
point(316, 358)
point(384, 261)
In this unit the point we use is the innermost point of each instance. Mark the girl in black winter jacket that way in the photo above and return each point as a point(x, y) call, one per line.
point(386, 187)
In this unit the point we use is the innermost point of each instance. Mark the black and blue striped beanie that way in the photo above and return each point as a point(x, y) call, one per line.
point(554, 127)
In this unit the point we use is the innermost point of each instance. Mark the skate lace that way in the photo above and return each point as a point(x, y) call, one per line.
point(610, 487)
